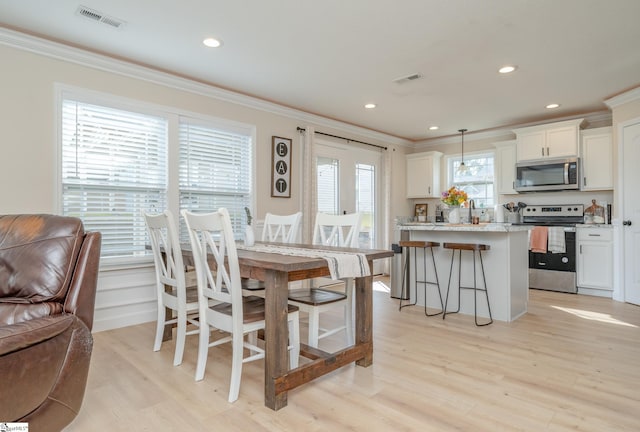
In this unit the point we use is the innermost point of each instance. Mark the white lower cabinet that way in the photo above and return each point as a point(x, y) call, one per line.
point(595, 260)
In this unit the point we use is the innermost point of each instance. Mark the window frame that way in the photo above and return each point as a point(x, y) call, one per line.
point(172, 116)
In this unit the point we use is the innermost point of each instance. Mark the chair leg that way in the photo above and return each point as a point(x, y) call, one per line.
point(294, 340)
point(236, 365)
point(159, 327)
point(252, 338)
point(314, 327)
point(203, 349)
point(181, 335)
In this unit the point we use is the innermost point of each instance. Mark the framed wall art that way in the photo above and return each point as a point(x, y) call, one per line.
point(421, 212)
point(280, 167)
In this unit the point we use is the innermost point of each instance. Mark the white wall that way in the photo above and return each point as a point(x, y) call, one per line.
point(30, 70)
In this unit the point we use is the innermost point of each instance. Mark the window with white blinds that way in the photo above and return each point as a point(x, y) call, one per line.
point(327, 185)
point(215, 170)
point(478, 182)
point(114, 165)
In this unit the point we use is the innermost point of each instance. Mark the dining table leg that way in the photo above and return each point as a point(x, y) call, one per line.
point(364, 317)
point(276, 337)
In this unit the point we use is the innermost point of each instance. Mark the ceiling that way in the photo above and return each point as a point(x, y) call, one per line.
point(330, 57)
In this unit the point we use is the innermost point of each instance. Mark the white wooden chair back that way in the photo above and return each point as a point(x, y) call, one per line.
point(163, 237)
point(337, 230)
point(281, 228)
point(211, 233)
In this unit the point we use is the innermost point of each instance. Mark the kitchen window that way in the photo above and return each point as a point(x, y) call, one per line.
point(478, 182)
point(116, 162)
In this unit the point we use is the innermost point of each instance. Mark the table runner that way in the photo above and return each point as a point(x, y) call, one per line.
point(341, 264)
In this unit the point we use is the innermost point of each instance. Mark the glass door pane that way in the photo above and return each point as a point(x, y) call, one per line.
point(366, 203)
point(327, 183)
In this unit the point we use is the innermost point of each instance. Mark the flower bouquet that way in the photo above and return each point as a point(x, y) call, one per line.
point(454, 197)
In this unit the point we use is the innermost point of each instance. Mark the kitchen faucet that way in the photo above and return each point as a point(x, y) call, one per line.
point(472, 206)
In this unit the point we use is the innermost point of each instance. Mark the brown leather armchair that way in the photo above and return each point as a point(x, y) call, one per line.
point(48, 275)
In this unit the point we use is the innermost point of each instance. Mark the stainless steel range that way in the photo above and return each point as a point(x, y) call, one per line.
point(555, 269)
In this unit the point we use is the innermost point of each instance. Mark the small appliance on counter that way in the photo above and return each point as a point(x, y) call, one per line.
point(439, 214)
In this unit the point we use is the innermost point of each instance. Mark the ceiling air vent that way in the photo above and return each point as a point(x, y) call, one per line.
point(408, 78)
point(94, 15)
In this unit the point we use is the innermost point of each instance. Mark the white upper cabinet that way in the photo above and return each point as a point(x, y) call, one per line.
point(597, 159)
point(423, 175)
point(505, 166)
point(553, 140)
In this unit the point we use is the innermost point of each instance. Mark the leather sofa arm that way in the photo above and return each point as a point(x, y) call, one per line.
point(18, 336)
point(81, 298)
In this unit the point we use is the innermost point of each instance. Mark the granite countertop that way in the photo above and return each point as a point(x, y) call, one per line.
point(481, 227)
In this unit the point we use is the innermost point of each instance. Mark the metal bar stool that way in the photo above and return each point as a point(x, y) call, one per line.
point(473, 248)
point(424, 245)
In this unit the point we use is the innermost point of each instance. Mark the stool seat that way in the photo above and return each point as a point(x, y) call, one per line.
point(466, 246)
point(418, 243)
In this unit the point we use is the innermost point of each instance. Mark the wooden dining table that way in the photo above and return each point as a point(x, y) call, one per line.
point(277, 270)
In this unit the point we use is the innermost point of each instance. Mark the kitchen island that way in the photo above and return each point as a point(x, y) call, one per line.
point(506, 266)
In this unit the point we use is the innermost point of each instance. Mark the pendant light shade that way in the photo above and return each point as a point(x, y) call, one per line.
point(462, 168)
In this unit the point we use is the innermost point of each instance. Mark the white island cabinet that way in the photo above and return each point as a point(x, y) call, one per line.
point(506, 267)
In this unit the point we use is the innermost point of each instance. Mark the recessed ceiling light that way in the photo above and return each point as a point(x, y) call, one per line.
point(212, 43)
point(370, 106)
point(552, 106)
point(507, 69)
point(433, 128)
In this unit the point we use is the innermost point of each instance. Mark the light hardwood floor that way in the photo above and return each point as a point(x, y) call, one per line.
point(572, 363)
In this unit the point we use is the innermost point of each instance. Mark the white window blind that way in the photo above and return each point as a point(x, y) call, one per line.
point(114, 164)
point(478, 183)
point(366, 203)
point(215, 170)
point(327, 185)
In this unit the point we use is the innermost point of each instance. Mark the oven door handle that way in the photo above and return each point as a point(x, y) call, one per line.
point(566, 173)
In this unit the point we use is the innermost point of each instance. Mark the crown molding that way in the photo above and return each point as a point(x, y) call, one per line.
point(105, 63)
point(506, 132)
point(623, 98)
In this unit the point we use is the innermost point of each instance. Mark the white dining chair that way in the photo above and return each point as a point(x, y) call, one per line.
point(281, 228)
point(276, 229)
point(212, 237)
point(329, 230)
point(172, 288)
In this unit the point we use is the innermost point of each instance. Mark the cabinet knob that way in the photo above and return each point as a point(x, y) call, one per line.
point(627, 223)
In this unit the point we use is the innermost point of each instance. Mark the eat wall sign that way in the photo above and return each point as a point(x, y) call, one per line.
point(280, 167)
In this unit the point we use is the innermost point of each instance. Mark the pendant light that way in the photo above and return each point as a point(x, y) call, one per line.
point(462, 168)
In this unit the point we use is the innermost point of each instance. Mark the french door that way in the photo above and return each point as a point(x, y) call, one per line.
point(348, 180)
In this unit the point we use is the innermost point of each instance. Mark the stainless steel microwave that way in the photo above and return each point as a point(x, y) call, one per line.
point(548, 175)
